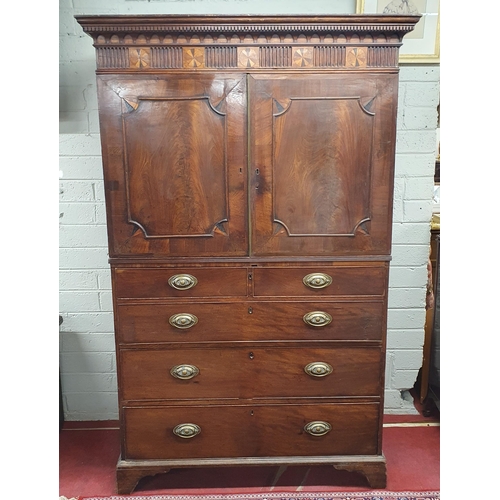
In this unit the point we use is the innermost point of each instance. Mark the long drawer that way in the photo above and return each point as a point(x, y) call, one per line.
point(319, 281)
point(250, 321)
point(249, 373)
point(180, 282)
point(250, 430)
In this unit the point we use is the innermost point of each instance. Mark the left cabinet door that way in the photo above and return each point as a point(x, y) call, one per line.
point(174, 158)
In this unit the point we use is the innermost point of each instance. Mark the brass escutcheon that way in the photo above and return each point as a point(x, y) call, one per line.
point(183, 320)
point(318, 369)
point(182, 281)
point(186, 431)
point(318, 428)
point(317, 280)
point(317, 318)
point(184, 372)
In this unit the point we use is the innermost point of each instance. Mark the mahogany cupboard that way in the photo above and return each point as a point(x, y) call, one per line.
point(248, 168)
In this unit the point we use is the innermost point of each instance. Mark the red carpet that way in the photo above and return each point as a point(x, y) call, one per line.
point(373, 495)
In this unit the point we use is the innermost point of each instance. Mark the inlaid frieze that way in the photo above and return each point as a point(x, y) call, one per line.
point(145, 43)
point(280, 56)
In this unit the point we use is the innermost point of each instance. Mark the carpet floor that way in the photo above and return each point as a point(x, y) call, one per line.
point(373, 495)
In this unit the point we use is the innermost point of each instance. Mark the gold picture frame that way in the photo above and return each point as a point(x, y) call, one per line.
point(422, 44)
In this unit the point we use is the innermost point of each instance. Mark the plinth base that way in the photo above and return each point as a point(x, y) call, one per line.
point(130, 472)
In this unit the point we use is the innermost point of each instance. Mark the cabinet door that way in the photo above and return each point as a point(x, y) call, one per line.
point(174, 154)
point(322, 161)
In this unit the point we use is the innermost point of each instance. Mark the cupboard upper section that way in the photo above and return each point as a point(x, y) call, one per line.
point(249, 43)
point(255, 136)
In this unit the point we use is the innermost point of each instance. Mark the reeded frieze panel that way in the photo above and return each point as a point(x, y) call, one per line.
point(204, 42)
point(276, 56)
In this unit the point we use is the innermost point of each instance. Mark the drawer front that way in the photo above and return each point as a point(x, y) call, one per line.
point(181, 282)
point(319, 281)
point(250, 431)
point(250, 321)
point(250, 373)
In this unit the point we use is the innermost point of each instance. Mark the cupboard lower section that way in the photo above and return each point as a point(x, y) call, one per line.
point(250, 430)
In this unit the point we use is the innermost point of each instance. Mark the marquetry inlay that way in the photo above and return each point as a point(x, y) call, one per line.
point(248, 57)
point(193, 57)
point(147, 43)
point(356, 57)
point(302, 57)
point(140, 58)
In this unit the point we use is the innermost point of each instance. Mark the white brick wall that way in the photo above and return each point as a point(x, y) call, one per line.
point(88, 369)
point(415, 158)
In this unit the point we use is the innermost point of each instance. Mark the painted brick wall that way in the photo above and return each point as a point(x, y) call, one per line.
point(87, 356)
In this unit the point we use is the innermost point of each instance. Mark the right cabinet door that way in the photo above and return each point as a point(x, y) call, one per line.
point(322, 163)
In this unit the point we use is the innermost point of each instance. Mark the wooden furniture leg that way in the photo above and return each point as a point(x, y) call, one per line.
point(128, 477)
point(375, 472)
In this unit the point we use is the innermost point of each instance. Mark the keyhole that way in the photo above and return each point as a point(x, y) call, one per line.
point(251, 413)
point(251, 355)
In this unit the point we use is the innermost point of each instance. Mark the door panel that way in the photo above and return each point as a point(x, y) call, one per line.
point(321, 164)
point(176, 178)
point(176, 164)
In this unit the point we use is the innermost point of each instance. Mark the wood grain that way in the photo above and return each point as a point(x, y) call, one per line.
point(334, 195)
point(153, 283)
point(174, 162)
point(250, 321)
point(250, 431)
point(250, 372)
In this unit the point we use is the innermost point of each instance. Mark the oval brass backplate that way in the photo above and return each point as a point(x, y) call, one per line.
point(184, 372)
point(317, 280)
point(318, 369)
point(187, 430)
point(182, 281)
point(317, 428)
point(183, 320)
point(317, 318)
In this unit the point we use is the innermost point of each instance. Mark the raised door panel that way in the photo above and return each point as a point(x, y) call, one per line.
point(322, 164)
point(174, 164)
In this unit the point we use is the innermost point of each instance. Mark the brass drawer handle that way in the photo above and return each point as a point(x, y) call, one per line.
point(318, 369)
point(184, 372)
point(317, 280)
point(317, 318)
point(318, 428)
point(187, 431)
point(182, 281)
point(183, 320)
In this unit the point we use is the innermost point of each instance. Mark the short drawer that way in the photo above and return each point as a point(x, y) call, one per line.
point(181, 282)
point(249, 321)
point(251, 372)
point(251, 430)
point(319, 281)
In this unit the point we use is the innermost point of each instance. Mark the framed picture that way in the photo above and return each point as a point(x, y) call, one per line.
point(420, 45)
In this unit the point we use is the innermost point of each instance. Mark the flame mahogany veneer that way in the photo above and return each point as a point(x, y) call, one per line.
point(248, 168)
